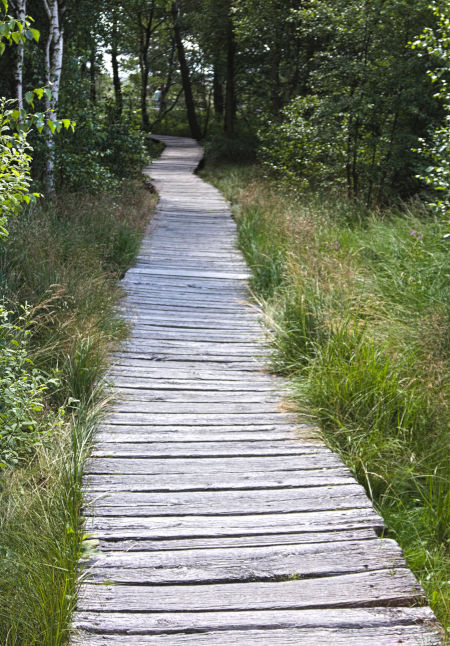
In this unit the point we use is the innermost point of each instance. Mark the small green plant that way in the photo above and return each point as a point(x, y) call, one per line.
point(24, 420)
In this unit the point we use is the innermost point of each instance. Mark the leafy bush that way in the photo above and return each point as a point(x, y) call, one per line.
point(24, 422)
point(436, 42)
point(99, 153)
point(306, 146)
point(239, 149)
point(15, 163)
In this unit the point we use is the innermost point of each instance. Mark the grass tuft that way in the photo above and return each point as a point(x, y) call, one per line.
point(64, 259)
point(357, 304)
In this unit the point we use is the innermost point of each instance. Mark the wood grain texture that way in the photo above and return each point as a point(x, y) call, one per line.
point(333, 620)
point(391, 587)
point(244, 563)
point(211, 526)
point(221, 519)
point(380, 636)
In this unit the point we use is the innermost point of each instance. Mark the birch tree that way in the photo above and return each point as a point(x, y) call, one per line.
point(20, 7)
point(53, 67)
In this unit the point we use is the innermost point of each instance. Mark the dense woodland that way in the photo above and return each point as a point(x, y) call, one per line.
point(329, 95)
point(327, 125)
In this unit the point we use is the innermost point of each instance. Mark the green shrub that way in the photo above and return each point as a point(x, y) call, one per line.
point(24, 420)
point(240, 148)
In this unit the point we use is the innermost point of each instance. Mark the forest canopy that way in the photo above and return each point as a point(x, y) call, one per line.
point(350, 95)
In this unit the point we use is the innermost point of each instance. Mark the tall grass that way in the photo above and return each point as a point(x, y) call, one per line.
point(64, 259)
point(357, 304)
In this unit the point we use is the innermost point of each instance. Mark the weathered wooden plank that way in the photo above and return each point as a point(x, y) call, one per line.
point(182, 315)
point(227, 502)
point(290, 431)
point(209, 481)
point(235, 360)
point(244, 564)
point(185, 435)
point(204, 419)
point(191, 371)
point(125, 405)
point(360, 636)
point(147, 394)
point(210, 526)
point(198, 304)
point(148, 448)
point(219, 465)
point(214, 336)
point(186, 346)
point(381, 587)
point(185, 273)
point(256, 540)
point(355, 619)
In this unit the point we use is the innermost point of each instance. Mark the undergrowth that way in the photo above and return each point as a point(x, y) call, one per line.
point(61, 262)
point(357, 305)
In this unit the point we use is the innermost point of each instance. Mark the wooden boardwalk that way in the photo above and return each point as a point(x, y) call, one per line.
point(220, 522)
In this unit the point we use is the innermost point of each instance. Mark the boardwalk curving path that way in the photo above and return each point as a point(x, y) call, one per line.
point(219, 521)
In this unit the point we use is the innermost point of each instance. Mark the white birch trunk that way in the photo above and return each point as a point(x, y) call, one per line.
point(21, 10)
point(53, 67)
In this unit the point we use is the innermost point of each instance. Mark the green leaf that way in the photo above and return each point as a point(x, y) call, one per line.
point(16, 37)
point(2, 48)
point(29, 98)
point(66, 123)
point(39, 92)
point(36, 34)
point(51, 125)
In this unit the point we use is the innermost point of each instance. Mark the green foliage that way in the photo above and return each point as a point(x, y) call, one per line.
point(436, 43)
point(12, 31)
point(240, 148)
point(24, 422)
point(367, 101)
point(65, 257)
point(15, 165)
point(307, 147)
point(99, 154)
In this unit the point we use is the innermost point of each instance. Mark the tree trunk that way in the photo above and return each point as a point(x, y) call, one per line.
point(230, 96)
point(115, 68)
point(275, 91)
point(53, 67)
point(217, 90)
point(21, 10)
point(186, 81)
point(144, 112)
point(145, 32)
point(92, 75)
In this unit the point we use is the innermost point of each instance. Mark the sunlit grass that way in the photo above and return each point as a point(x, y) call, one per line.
point(357, 305)
point(65, 260)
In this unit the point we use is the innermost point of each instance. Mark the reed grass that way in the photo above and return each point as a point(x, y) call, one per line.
point(64, 259)
point(357, 306)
